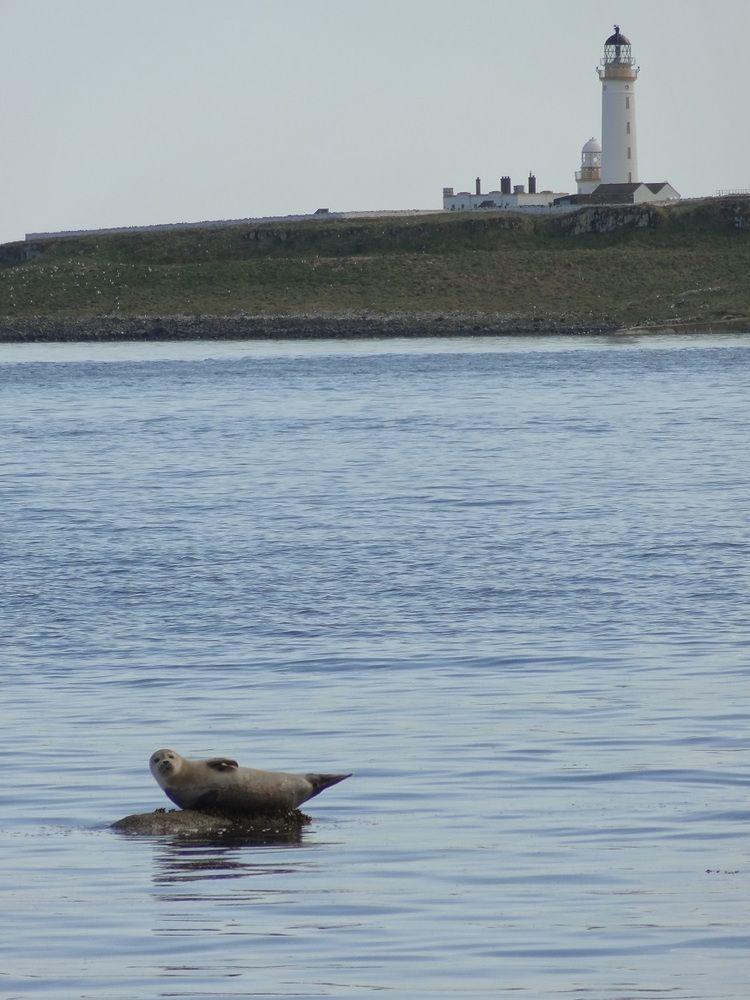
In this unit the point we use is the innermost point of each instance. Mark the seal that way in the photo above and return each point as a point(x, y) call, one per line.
point(221, 785)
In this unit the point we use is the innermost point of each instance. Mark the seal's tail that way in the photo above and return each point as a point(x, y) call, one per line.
point(321, 781)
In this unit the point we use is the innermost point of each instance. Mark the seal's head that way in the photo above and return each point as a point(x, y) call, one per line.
point(164, 765)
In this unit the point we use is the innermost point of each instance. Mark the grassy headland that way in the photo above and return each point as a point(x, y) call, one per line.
point(596, 269)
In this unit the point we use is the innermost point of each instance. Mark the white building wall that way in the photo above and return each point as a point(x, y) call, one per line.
point(619, 141)
point(464, 201)
point(644, 195)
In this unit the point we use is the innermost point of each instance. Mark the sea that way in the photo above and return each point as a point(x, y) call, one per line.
point(503, 581)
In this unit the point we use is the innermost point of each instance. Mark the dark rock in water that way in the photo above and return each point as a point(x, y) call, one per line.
point(191, 824)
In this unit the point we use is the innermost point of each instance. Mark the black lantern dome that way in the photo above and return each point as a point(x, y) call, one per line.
point(617, 51)
point(618, 38)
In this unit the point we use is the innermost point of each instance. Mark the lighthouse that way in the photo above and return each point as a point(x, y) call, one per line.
point(608, 174)
point(618, 73)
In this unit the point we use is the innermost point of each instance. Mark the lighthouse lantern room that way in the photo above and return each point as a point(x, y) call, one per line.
point(618, 73)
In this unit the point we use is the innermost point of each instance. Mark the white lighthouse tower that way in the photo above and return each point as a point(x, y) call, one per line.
point(618, 74)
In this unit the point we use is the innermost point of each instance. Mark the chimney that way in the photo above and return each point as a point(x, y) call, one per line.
point(479, 186)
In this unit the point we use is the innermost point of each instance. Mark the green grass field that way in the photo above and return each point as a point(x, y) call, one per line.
point(690, 263)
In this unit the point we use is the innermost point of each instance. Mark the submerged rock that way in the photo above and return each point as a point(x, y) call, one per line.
point(190, 823)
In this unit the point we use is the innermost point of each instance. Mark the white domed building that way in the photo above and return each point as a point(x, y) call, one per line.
point(589, 176)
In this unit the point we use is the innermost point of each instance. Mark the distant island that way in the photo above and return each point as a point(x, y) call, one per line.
point(594, 270)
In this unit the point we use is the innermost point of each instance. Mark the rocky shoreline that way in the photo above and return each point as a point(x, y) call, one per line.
point(43, 329)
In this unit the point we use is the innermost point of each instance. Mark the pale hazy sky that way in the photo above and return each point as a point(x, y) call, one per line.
point(127, 112)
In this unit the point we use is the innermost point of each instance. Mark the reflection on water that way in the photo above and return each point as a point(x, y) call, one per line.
point(176, 862)
point(504, 582)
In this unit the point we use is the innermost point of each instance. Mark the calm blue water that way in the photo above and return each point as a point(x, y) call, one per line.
point(503, 581)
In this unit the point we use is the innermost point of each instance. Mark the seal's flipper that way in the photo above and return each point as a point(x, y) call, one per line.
point(322, 781)
point(222, 763)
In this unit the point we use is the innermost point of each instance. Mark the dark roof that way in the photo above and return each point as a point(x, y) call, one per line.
point(619, 188)
point(656, 188)
point(604, 194)
point(618, 38)
point(613, 194)
point(572, 199)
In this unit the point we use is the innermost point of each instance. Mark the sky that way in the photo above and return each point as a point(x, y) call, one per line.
point(133, 112)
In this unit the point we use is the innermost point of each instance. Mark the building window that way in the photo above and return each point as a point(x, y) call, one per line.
point(627, 103)
point(630, 155)
point(627, 127)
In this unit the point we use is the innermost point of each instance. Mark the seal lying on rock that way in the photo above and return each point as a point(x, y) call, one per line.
point(221, 785)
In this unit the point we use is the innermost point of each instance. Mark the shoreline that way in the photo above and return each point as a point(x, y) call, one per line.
point(598, 271)
point(44, 329)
